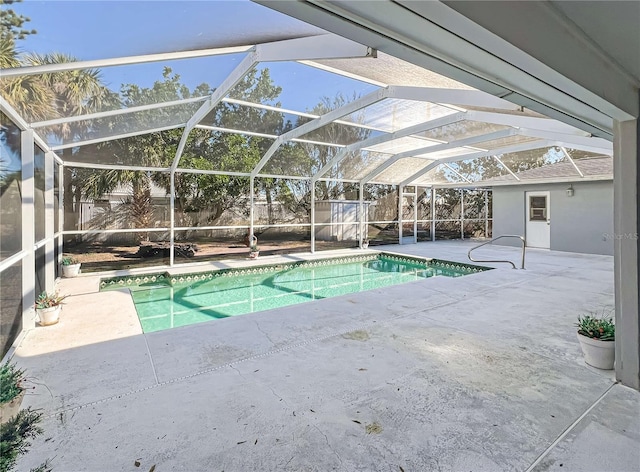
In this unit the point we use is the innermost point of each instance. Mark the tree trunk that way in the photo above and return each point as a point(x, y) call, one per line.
point(269, 205)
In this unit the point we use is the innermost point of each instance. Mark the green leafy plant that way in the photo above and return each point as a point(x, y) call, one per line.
point(49, 300)
point(254, 248)
point(10, 382)
point(67, 261)
point(15, 435)
point(597, 327)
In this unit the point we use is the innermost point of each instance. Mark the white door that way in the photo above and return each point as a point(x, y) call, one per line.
point(538, 230)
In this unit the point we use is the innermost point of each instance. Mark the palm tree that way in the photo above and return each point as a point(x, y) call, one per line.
point(73, 93)
point(28, 95)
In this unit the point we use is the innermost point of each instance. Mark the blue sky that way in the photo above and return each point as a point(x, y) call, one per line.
point(90, 29)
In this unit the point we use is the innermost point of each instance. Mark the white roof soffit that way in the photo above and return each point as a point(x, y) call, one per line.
point(326, 46)
point(555, 180)
point(428, 34)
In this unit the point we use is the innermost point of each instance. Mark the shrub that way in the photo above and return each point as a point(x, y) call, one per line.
point(14, 436)
point(10, 377)
point(595, 327)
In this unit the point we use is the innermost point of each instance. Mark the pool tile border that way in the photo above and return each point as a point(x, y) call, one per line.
point(177, 279)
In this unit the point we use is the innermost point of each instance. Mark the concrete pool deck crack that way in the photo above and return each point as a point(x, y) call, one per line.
point(266, 335)
point(232, 364)
point(326, 439)
point(153, 366)
point(261, 355)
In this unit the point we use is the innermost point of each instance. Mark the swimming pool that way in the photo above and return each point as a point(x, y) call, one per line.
point(165, 301)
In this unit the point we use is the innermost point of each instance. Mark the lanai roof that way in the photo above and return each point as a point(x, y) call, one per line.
point(418, 127)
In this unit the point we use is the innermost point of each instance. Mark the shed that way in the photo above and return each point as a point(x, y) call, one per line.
point(338, 220)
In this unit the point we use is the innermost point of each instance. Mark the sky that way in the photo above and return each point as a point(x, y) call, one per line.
point(89, 29)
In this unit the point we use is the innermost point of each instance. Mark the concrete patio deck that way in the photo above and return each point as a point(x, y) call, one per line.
point(477, 373)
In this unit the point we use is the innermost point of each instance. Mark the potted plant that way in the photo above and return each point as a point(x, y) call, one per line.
point(70, 267)
point(597, 340)
point(365, 243)
point(11, 390)
point(48, 306)
point(254, 251)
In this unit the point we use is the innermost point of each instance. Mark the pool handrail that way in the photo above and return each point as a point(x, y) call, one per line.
point(521, 238)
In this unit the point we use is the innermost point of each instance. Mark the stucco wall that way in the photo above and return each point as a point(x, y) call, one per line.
point(582, 223)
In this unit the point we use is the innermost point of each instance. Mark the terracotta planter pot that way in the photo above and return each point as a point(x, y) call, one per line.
point(598, 354)
point(71, 270)
point(49, 316)
point(10, 408)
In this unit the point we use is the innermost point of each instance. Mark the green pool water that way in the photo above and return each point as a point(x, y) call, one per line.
point(166, 301)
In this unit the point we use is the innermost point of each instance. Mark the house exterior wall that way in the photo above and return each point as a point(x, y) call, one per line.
point(581, 223)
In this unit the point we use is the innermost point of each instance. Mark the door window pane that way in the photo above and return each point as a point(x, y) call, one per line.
point(537, 208)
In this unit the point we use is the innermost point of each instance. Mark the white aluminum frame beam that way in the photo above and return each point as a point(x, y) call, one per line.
point(294, 112)
point(528, 122)
point(122, 61)
point(505, 166)
point(236, 131)
point(49, 220)
point(427, 38)
point(603, 145)
point(264, 135)
point(119, 111)
point(459, 97)
point(262, 106)
point(114, 137)
point(457, 173)
point(91, 165)
point(463, 157)
point(323, 120)
point(425, 126)
point(218, 94)
point(27, 191)
point(573, 163)
point(439, 147)
point(21, 123)
point(580, 147)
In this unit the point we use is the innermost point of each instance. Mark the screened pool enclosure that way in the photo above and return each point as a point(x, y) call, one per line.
point(309, 142)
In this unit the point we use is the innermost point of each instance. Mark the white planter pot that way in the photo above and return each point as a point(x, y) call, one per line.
point(254, 254)
point(49, 316)
point(71, 270)
point(599, 354)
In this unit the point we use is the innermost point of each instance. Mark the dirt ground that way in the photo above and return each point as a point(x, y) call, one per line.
point(101, 256)
point(96, 257)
